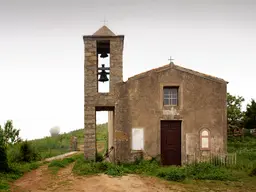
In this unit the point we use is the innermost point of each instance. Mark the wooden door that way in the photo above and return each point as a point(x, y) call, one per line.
point(171, 142)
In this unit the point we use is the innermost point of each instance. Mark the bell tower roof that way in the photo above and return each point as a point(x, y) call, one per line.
point(104, 31)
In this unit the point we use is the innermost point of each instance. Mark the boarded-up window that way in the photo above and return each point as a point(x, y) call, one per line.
point(137, 139)
point(170, 95)
point(204, 139)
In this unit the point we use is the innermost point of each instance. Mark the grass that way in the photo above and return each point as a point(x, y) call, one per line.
point(56, 165)
point(196, 177)
point(241, 176)
point(52, 146)
point(198, 174)
point(245, 148)
point(16, 171)
point(46, 147)
point(202, 171)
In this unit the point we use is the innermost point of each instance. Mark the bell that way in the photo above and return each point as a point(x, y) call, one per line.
point(103, 76)
point(103, 55)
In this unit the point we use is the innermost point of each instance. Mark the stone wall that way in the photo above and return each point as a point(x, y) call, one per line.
point(202, 104)
point(90, 89)
point(92, 99)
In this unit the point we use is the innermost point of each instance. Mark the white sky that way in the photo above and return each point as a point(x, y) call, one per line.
point(41, 51)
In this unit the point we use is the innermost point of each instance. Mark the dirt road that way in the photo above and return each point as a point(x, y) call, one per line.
point(43, 180)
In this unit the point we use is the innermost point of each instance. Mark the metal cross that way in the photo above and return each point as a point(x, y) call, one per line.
point(104, 21)
point(171, 59)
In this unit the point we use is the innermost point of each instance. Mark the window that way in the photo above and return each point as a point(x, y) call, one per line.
point(170, 95)
point(204, 140)
point(137, 139)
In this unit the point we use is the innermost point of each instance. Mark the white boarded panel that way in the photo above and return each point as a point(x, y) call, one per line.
point(137, 139)
point(205, 142)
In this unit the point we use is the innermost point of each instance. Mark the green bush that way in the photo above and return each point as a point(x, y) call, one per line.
point(172, 173)
point(253, 172)
point(207, 171)
point(3, 159)
point(202, 171)
point(83, 167)
point(116, 170)
point(99, 157)
point(26, 153)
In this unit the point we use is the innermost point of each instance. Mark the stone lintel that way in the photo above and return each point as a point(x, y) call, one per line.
point(90, 37)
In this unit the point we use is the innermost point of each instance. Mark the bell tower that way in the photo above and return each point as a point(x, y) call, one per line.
point(102, 44)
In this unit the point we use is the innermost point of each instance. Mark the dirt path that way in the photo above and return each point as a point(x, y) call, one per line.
point(42, 180)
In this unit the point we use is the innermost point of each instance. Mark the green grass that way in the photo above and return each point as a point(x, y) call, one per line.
point(203, 174)
point(245, 148)
point(16, 171)
point(198, 174)
point(52, 146)
point(202, 171)
point(56, 165)
point(46, 147)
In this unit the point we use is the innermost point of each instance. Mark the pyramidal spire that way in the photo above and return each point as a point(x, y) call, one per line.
point(104, 31)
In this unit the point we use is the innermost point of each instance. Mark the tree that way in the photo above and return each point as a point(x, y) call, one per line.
point(55, 131)
point(250, 115)
point(10, 135)
point(3, 154)
point(235, 114)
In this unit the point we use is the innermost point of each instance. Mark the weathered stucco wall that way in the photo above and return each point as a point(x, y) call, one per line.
point(202, 104)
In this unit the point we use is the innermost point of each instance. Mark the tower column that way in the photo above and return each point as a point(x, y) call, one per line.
point(116, 62)
point(90, 133)
point(90, 89)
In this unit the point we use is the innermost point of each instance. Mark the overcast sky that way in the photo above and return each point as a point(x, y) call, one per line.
point(41, 50)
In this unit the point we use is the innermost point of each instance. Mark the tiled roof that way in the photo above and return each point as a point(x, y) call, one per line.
point(104, 31)
point(177, 67)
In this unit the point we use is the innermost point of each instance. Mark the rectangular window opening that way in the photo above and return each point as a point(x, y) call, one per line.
point(170, 96)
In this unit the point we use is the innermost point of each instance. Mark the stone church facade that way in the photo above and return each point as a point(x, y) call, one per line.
point(170, 112)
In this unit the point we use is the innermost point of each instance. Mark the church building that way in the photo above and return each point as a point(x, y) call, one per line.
point(170, 112)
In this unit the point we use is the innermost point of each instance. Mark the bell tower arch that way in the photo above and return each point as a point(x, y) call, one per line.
point(102, 44)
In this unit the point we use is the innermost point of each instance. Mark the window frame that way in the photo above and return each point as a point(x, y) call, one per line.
point(205, 136)
point(170, 98)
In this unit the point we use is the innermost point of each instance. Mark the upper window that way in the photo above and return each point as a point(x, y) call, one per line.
point(170, 95)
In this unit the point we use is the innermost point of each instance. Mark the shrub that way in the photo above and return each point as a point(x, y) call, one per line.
point(83, 167)
point(27, 153)
point(99, 157)
point(172, 173)
point(116, 170)
point(3, 159)
point(143, 167)
point(207, 171)
point(253, 172)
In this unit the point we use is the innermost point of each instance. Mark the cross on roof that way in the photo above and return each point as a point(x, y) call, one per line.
point(104, 21)
point(171, 59)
